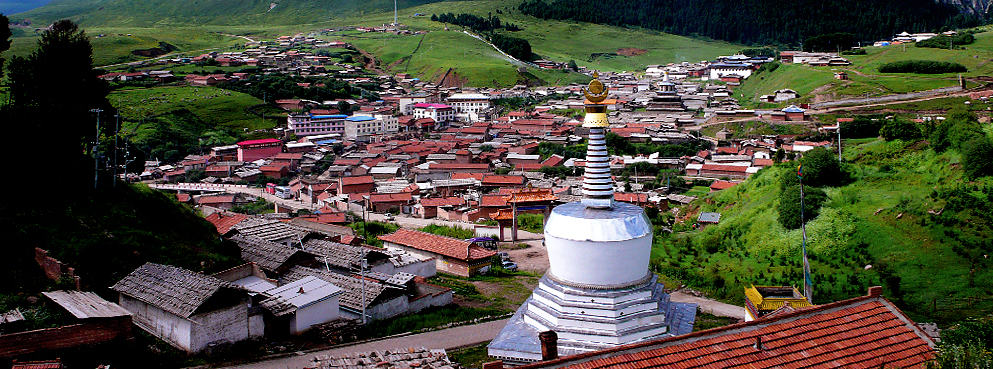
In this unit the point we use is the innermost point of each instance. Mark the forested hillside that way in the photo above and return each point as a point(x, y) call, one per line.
point(761, 21)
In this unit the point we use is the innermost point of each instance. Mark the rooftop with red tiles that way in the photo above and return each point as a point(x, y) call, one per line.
point(447, 246)
point(863, 332)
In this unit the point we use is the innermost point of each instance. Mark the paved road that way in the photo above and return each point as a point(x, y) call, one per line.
point(450, 338)
point(710, 306)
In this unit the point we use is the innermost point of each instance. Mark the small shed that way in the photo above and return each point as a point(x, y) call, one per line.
point(305, 302)
point(708, 218)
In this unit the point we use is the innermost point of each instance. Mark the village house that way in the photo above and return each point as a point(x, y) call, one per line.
point(188, 310)
point(452, 255)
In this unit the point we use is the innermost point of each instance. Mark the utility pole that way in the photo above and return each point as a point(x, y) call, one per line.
point(117, 131)
point(364, 265)
point(839, 142)
point(808, 284)
point(96, 150)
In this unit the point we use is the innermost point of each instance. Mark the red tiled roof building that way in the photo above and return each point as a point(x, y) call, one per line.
point(452, 255)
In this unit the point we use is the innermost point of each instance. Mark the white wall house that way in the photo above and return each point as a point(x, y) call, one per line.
point(188, 310)
point(306, 302)
point(442, 114)
point(723, 69)
point(469, 106)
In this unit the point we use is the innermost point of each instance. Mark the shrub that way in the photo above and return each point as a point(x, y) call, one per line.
point(922, 67)
point(977, 158)
point(861, 127)
point(789, 205)
point(900, 129)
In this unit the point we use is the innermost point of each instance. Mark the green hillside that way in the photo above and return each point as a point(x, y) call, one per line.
point(817, 83)
point(909, 221)
point(158, 13)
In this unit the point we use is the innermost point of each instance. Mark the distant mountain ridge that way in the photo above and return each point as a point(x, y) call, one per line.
point(977, 7)
point(766, 22)
point(147, 13)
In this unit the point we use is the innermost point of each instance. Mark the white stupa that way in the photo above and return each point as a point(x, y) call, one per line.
point(598, 292)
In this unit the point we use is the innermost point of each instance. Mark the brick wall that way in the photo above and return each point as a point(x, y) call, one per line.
point(93, 331)
point(54, 269)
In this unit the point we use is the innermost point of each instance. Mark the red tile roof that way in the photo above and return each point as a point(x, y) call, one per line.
point(223, 221)
point(721, 185)
point(446, 246)
point(553, 161)
point(356, 180)
point(864, 332)
point(503, 180)
point(457, 166)
point(476, 176)
point(762, 162)
point(222, 199)
point(494, 200)
point(444, 201)
point(389, 197)
point(633, 198)
point(725, 168)
point(727, 150)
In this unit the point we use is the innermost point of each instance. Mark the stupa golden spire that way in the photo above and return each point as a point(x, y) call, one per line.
point(598, 186)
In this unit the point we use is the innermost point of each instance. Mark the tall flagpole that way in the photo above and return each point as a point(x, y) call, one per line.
point(808, 285)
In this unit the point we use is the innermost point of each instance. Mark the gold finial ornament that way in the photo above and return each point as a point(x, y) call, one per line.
point(596, 112)
point(596, 92)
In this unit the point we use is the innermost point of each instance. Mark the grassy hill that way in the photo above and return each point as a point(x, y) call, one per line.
point(158, 13)
point(909, 222)
point(130, 26)
point(865, 78)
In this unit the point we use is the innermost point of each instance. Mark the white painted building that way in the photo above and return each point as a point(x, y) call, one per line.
point(725, 69)
point(190, 311)
point(468, 107)
point(306, 124)
point(306, 302)
point(442, 114)
point(362, 127)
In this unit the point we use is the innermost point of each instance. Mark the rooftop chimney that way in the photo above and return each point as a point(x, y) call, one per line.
point(758, 343)
point(875, 291)
point(549, 345)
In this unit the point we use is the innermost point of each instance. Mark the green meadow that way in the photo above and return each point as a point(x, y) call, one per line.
point(899, 224)
point(214, 106)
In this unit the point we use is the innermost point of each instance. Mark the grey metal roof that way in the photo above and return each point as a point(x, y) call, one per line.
point(351, 295)
point(176, 290)
point(301, 293)
point(709, 217)
point(84, 305)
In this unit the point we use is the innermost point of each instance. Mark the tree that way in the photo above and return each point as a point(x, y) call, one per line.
point(573, 66)
point(4, 39)
point(789, 205)
point(820, 168)
point(977, 158)
point(53, 91)
point(900, 129)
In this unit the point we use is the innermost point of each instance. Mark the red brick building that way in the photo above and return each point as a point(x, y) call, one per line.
point(259, 149)
point(356, 184)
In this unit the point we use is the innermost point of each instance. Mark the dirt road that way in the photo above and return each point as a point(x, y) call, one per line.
point(447, 339)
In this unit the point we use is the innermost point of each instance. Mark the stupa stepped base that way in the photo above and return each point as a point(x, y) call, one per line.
point(589, 319)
